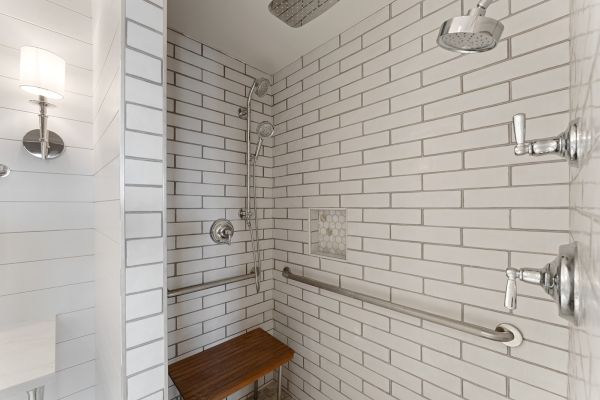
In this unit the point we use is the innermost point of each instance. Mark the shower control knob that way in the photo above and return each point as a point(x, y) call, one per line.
point(557, 278)
point(564, 145)
point(221, 231)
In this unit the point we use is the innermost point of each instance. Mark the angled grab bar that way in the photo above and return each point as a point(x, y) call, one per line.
point(504, 333)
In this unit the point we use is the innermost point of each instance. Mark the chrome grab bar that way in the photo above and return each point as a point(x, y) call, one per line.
point(208, 285)
point(505, 333)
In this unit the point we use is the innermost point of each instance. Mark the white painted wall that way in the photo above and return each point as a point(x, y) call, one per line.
point(46, 207)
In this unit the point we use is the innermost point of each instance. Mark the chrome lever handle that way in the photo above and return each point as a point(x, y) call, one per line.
point(522, 147)
point(534, 276)
point(510, 298)
point(228, 234)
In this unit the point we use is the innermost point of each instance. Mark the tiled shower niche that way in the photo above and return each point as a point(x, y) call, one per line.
point(327, 227)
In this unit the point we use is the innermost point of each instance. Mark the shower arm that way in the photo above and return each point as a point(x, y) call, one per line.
point(481, 7)
point(485, 3)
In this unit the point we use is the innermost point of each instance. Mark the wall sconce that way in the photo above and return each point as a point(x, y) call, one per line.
point(42, 73)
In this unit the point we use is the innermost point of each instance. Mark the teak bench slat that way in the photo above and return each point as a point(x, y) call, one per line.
point(226, 368)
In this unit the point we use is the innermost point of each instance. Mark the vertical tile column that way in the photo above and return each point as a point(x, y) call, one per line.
point(144, 200)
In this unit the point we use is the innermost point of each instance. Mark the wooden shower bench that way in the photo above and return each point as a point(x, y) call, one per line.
point(226, 368)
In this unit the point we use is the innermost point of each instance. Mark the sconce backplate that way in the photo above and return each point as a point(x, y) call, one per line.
point(31, 142)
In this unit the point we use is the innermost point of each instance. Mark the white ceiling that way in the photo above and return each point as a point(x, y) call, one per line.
point(246, 30)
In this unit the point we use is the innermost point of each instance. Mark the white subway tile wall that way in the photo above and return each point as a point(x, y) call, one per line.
point(416, 142)
point(47, 211)
point(206, 181)
point(584, 344)
point(144, 177)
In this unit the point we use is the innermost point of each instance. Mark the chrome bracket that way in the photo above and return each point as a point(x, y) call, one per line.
point(557, 278)
point(222, 231)
point(246, 214)
point(36, 394)
point(517, 335)
point(243, 112)
point(565, 144)
point(4, 171)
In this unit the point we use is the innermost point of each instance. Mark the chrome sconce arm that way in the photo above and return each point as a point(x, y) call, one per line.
point(557, 278)
point(564, 144)
point(43, 143)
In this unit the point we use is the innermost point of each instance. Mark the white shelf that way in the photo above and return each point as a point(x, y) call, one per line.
point(27, 352)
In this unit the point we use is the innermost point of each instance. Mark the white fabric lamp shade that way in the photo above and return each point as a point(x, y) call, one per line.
point(42, 73)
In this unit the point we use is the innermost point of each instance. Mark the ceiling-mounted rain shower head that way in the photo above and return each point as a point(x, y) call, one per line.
point(264, 130)
point(297, 13)
point(261, 86)
point(473, 33)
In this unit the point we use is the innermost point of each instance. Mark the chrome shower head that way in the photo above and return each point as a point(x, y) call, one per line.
point(264, 130)
point(261, 86)
point(297, 13)
point(473, 33)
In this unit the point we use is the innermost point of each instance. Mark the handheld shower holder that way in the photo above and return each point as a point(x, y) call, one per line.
point(557, 278)
point(246, 214)
point(565, 144)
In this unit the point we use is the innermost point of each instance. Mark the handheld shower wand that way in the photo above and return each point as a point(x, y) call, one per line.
point(260, 87)
point(265, 130)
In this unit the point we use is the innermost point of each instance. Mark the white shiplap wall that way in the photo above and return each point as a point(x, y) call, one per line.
point(107, 36)
point(415, 141)
point(46, 207)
